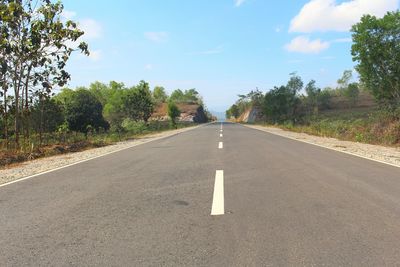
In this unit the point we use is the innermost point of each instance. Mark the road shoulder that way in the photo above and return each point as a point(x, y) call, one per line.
point(387, 155)
point(40, 166)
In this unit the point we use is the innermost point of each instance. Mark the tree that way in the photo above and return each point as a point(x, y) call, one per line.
point(173, 112)
point(159, 94)
point(376, 49)
point(138, 102)
point(313, 93)
point(281, 103)
point(190, 96)
point(47, 115)
point(83, 109)
point(351, 93)
point(233, 111)
point(344, 81)
point(35, 45)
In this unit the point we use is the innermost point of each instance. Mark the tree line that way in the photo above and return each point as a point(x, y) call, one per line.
point(36, 43)
point(292, 101)
point(375, 49)
point(101, 107)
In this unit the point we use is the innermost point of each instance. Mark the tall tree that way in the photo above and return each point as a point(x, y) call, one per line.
point(37, 44)
point(313, 93)
point(138, 102)
point(376, 49)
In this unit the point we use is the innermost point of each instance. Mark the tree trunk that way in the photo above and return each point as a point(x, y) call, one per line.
point(26, 113)
point(5, 113)
point(17, 86)
point(41, 121)
point(16, 119)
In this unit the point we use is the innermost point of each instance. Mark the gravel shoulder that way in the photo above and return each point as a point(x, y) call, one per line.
point(389, 155)
point(37, 166)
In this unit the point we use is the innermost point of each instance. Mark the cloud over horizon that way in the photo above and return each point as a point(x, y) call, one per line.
point(328, 15)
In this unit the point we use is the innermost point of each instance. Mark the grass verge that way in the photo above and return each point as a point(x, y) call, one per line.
point(55, 144)
point(372, 126)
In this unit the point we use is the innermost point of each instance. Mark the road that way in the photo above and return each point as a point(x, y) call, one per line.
point(277, 202)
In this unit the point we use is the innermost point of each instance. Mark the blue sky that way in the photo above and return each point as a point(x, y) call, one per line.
point(220, 47)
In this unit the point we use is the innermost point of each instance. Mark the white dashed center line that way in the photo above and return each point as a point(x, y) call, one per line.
point(220, 145)
point(218, 207)
point(220, 135)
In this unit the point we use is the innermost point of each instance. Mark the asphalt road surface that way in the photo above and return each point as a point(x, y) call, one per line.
point(276, 202)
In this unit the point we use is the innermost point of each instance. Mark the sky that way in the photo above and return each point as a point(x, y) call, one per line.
point(220, 47)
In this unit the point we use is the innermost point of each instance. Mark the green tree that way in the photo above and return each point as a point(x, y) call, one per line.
point(159, 94)
point(173, 112)
point(83, 109)
point(313, 95)
point(177, 96)
point(190, 96)
point(138, 102)
point(47, 115)
point(344, 81)
point(351, 93)
point(376, 49)
point(233, 111)
point(35, 44)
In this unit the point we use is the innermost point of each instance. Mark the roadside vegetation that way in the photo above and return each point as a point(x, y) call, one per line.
point(363, 110)
point(36, 43)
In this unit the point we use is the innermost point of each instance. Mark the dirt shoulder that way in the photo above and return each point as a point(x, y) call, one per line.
point(37, 166)
point(389, 155)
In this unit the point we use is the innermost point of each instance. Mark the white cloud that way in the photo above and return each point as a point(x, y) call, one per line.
point(92, 29)
point(68, 15)
point(327, 15)
point(303, 44)
point(157, 37)
point(239, 2)
point(95, 55)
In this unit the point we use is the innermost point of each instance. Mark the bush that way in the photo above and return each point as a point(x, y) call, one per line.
point(134, 127)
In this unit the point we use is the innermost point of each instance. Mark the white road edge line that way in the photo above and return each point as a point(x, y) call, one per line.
point(102, 155)
point(218, 206)
point(330, 148)
point(220, 145)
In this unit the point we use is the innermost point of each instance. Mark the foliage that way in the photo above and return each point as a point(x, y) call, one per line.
point(134, 127)
point(173, 112)
point(313, 96)
point(190, 96)
point(82, 110)
point(47, 115)
point(233, 111)
point(352, 92)
point(376, 49)
point(159, 94)
point(138, 103)
point(35, 45)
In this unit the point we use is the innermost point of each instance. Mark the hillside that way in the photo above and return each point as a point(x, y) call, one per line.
point(189, 113)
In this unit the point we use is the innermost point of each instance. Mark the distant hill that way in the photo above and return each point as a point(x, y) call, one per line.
point(189, 113)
